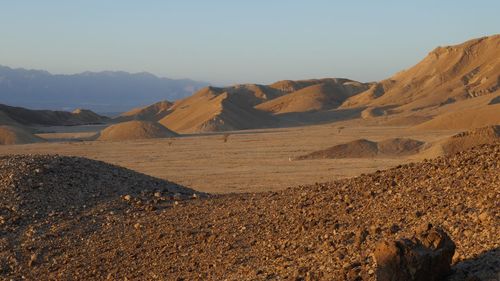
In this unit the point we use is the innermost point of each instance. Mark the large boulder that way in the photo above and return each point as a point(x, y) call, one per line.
point(425, 257)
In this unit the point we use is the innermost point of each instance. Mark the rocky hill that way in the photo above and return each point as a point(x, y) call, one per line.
point(124, 229)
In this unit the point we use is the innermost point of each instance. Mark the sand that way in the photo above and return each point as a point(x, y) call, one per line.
point(250, 161)
point(464, 119)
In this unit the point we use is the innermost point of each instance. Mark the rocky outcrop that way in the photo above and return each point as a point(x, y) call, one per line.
point(425, 257)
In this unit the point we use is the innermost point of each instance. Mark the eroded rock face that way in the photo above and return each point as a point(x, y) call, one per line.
point(425, 257)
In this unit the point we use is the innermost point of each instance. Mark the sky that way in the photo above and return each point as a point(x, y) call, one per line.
point(236, 41)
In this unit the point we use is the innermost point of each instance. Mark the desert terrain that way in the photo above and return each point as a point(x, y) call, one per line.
point(250, 161)
point(318, 179)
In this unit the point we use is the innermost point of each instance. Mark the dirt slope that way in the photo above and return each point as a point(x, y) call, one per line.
point(468, 139)
point(153, 112)
point(446, 75)
point(326, 94)
point(28, 117)
point(17, 135)
point(467, 118)
point(133, 130)
point(218, 109)
point(363, 148)
point(319, 232)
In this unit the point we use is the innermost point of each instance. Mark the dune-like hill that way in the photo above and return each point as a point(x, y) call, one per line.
point(70, 218)
point(133, 130)
point(363, 148)
point(219, 109)
point(446, 75)
point(153, 112)
point(17, 135)
point(29, 117)
point(324, 94)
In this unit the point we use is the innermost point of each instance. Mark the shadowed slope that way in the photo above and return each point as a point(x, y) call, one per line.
point(17, 135)
point(25, 116)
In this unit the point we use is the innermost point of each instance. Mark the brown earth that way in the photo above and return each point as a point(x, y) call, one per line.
point(17, 135)
point(468, 139)
point(135, 130)
point(464, 119)
point(363, 148)
point(320, 232)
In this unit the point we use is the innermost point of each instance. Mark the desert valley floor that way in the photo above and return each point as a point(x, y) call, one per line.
point(249, 161)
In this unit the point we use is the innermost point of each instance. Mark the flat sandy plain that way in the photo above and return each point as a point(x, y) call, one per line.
point(250, 161)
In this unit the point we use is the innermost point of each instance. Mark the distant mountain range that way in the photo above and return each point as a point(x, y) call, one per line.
point(107, 91)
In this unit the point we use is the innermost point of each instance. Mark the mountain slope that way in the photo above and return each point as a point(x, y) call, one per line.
point(218, 109)
point(325, 94)
point(10, 115)
point(105, 91)
point(152, 112)
point(446, 75)
point(16, 135)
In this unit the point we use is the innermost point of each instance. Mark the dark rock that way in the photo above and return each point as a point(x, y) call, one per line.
point(425, 257)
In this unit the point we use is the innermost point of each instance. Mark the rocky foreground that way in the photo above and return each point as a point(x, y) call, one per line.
point(321, 232)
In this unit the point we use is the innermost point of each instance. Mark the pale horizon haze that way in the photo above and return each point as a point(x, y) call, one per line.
point(226, 42)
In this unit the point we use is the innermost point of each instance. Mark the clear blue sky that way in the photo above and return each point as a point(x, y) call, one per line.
point(236, 41)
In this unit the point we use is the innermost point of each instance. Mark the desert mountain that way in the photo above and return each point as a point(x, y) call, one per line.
point(450, 82)
point(10, 115)
point(322, 94)
point(253, 106)
point(105, 91)
point(220, 109)
point(133, 130)
point(16, 135)
point(446, 75)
